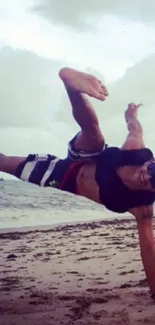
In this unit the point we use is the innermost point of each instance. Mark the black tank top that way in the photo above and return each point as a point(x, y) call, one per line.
point(113, 193)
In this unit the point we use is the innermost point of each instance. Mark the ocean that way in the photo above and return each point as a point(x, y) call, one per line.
point(27, 205)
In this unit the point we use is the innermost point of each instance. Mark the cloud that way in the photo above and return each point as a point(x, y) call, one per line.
point(138, 82)
point(137, 86)
point(36, 113)
point(76, 13)
point(29, 85)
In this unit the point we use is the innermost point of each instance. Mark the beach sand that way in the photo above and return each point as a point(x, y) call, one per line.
point(88, 273)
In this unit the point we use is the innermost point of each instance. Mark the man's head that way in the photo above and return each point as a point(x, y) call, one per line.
point(144, 177)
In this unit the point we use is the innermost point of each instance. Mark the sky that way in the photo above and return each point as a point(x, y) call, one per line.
point(114, 40)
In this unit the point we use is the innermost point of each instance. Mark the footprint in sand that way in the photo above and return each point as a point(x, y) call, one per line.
point(126, 285)
point(85, 258)
point(73, 272)
point(11, 257)
point(104, 234)
point(126, 272)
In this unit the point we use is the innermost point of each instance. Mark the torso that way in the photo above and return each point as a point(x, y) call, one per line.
point(88, 186)
point(126, 173)
point(86, 182)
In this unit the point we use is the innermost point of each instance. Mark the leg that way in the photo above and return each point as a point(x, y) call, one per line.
point(77, 84)
point(9, 164)
point(45, 170)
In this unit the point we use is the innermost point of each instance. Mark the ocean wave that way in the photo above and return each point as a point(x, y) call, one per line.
point(26, 205)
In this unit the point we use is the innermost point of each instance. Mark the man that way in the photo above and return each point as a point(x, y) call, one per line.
point(122, 179)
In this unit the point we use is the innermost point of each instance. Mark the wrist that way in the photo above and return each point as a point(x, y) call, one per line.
point(129, 116)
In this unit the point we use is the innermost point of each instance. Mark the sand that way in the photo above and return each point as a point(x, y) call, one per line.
point(88, 273)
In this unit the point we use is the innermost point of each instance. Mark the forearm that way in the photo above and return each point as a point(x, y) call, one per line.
point(148, 259)
point(147, 250)
point(134, 126)
point(83, 111)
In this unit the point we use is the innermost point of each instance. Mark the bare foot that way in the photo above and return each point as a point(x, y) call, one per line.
point(83, 83)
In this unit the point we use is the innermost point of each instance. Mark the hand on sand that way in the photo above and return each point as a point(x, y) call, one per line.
point(132, 111)
point(83, 83)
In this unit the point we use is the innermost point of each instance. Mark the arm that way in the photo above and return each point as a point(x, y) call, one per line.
point(144, 217)
point(134, 139)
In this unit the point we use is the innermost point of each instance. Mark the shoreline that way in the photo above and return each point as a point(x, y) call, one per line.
point(74, 274)
point(42, 228)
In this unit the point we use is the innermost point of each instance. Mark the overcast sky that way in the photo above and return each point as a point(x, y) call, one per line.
point(114, 41)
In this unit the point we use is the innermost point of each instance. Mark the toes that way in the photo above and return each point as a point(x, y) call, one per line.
point(97, 96)
point(100, 96)
point(104, 90)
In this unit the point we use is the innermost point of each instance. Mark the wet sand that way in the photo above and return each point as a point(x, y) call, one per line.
point(88, 273)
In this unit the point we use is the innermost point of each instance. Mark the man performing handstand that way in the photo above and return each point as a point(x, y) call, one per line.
point(122, 179)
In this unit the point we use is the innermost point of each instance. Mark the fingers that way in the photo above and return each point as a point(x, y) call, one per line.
point(100, 97)
point(133, 105)
point(102, 93)
point(105, 90)
point(139, 105)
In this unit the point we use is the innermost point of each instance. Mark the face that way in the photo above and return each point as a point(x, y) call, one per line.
point(144, 177)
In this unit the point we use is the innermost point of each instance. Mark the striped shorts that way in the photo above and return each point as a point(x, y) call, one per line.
point(49, 170)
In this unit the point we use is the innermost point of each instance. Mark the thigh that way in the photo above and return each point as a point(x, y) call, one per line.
point(41, 170)
point(85, 147)
point(89, 140)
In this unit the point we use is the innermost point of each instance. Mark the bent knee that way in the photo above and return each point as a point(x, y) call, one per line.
point(79, 148)
point(90, 139)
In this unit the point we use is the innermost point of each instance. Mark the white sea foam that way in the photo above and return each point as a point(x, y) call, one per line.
point(25, 205)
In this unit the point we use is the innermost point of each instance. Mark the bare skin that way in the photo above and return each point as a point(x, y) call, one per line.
point(78, 84)
point(83, 83)
point(91, 139)
point(9, 164)
point(143, 214)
